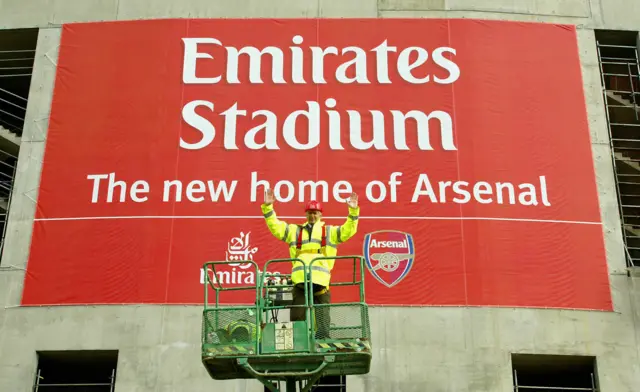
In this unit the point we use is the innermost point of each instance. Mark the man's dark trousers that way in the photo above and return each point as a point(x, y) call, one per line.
point(323, 313)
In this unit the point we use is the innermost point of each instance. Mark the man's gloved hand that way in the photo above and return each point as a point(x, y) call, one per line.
point(353, 200)
point(269, 198)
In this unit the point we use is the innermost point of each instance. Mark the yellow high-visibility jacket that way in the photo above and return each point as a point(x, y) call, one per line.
point(311, 246)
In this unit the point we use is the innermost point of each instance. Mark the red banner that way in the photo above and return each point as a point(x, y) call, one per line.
point(466, 141)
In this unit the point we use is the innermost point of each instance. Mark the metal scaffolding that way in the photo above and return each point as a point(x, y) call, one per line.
point(620, 70)
point(17, 55)
point(15, 66)
point(8, 164)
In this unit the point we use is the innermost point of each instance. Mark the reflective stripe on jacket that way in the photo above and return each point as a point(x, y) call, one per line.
point(311, 246)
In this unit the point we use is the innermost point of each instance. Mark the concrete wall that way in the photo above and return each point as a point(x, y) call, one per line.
point(459, 349)
point(612, 14)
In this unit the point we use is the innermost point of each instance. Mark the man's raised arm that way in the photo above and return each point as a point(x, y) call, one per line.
point(350, 227)
point(279, 229)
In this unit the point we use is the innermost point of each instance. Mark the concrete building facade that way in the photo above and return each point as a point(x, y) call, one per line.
point(438, 349)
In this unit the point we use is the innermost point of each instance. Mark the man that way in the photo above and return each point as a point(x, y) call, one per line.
point(306, 242)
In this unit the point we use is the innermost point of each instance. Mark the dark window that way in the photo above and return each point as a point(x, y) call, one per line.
point(325, 384)
point(331, 384)
point(553, 373)
point(70, 371)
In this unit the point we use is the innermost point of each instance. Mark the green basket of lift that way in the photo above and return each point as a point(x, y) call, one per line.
point(289, 349)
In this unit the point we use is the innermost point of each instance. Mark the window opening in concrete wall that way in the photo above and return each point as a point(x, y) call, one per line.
point(620, 70)
point(554, 373)
point(325, 384)
point(84, 370)
point(331, 384)
point(17, 53)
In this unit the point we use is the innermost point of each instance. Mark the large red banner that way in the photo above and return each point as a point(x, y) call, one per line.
point(466, 142)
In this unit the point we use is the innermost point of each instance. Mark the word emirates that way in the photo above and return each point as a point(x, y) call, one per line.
point(353, 60)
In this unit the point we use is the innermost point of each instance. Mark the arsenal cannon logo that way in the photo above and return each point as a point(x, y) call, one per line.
point(389, 255)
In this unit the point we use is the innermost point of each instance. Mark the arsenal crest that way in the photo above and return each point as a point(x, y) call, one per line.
point(389, 255)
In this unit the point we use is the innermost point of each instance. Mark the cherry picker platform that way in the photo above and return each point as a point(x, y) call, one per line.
point(245, 342)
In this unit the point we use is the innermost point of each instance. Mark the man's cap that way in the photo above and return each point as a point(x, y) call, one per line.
point(313, 206)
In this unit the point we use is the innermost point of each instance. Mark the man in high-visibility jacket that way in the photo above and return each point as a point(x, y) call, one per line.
point(306, 242)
